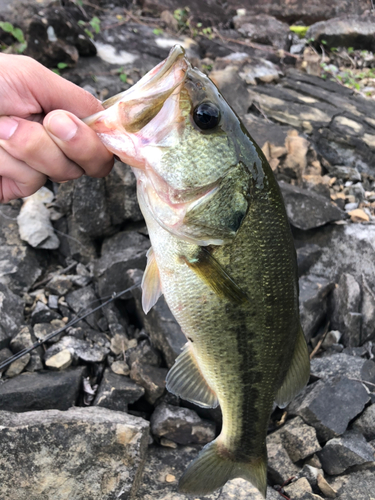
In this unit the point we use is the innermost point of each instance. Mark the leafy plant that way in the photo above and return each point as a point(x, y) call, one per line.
point(157, 31)
point(17, 33)
point(182, 17)
point(60, 65)
point(122, 75)
point(299, 30)
point(93, 24)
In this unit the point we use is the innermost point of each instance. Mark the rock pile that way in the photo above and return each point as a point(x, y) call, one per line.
point(82, 410)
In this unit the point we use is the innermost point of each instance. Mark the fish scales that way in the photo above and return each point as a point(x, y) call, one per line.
point(223, 256)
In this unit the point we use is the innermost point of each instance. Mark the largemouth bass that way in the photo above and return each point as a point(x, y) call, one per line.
point(222, 254)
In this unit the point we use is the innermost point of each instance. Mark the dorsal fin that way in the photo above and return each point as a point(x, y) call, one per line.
point(186, 380)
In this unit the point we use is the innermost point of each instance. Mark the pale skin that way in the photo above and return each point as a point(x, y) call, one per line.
point(41, 134)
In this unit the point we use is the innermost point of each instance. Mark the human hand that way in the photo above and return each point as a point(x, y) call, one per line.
point(63, 149)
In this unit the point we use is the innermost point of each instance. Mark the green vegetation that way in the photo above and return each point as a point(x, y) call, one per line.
point(299, 30)
point(157, 31)
point(17, 34)
point(90, 27)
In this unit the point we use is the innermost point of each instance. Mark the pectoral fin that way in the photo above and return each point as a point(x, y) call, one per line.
point(297, 375)
point(212, 273)
point(151, 284)
point(186, 381)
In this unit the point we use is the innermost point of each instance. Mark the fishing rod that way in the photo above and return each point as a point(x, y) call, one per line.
point(40, 342)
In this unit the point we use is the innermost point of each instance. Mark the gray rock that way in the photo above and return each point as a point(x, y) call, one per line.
point(59, 285)
point(307, 209)
point(313, 302)
point(17, 366)
point(43, 314)
point(343, 452)
point(357, 485)
point(82, 349)
point(60, 361)
point(365, 424)
point(280, 467)
point(307, 256)
point(346, 173)
point(346, 299)
point(343, 364)
point(310, 473)
point(240, 489)
point(330, 405)
point(346, 31)
point(165, 333)
point(121, 195)
point(5, 354)
point(299, 439)
point(42, 330)
point(41, 390)
point(81, 301)
point(11, 315)
point(264, 29)
point(124, 251)
point(151, 378)
point(368, 312)
point(19, 267)
point(90, 210)
point(120, 368)
point(144, 353)
point(85, 453)
point(115, 392)
point(301, 490)
point(181, 425)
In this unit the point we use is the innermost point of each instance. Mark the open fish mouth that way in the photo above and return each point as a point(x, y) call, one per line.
point(130, 111)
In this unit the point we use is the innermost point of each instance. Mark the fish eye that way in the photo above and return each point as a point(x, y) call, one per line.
point(206, 116)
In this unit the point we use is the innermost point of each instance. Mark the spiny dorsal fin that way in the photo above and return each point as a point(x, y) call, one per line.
point(151, 284)
point(185, 380)
point(211, 272)
point(297, 375)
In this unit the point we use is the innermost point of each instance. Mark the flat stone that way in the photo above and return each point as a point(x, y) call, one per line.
point(279, 467)
point(181, 425)
point(61, 360)
point(116, 392)
point(82, 349)
point(42, 330)
point(357, 485)
point(329, 405)
point(19, 267)
point(17, 366)
point(343, 364)
point(307, 209)
point(151, 378)
point(120, 368)
point(41, 390)
point(313, 302)
point(307, 256)
point(365, 424)
point(80, 453)
point(59, 285)
point(343, 452)
point(11, 315)
point(264, 29)
point(299, 439)
point(301, 490)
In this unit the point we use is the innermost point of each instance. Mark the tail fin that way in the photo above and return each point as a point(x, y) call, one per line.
point(211, 470)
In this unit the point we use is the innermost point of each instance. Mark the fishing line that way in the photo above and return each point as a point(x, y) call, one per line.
point(40, 342)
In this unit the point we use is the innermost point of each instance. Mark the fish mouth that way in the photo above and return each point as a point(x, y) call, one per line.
point(130, 111)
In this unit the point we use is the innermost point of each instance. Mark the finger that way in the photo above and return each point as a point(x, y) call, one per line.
point(29, 142)
point(17, 179)
point(79, 143)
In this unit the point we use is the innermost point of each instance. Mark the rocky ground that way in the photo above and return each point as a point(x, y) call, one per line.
point(86, 415)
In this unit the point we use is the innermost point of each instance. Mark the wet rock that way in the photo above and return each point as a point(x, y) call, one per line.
point(280, 467)
point(19, 267)
point(125, 250)
point(121, 195)
point(41, 390)
point(81, 349)
point(307, 256)
point(93, 452)
point(151, 378)
point(343, 364)
point(264, 29)
point(307, 209)
point(11, 315)
point(330, 405)
point(144, 353)
point(181, 425)
point(116, 392)
point(345, 31)
point(34, 221)
point(365, 424)
point(343, 452)
point(346, 298)
point(313, 302)
point(43, 314)
point(81, 301)
point(299, 439)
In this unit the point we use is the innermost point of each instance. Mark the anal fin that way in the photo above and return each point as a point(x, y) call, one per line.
point(151, 284)
point(186, 380)
point(298, 374)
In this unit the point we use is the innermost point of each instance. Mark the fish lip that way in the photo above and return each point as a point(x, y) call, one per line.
point(177, 52)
